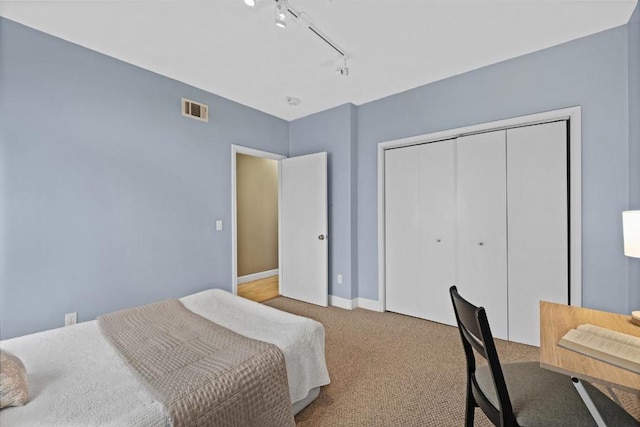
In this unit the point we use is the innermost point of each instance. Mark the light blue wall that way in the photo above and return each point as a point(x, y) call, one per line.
point(109, 196)
point(634, 145)
point(332, 131)
point(591, 72)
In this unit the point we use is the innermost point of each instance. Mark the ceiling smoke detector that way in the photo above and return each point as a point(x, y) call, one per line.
point(292, 101)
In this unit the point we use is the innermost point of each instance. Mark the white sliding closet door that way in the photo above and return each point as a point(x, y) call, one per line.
point(437, 230)
point(402, 229)
point(538, 225)
point(482, 225)
point(488, 212)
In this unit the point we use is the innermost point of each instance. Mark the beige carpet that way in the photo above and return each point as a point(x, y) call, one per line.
point(392, 370)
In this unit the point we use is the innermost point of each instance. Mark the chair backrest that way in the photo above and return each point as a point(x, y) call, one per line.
point(476, 334)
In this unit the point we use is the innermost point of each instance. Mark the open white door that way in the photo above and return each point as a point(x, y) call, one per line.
point(303, 229)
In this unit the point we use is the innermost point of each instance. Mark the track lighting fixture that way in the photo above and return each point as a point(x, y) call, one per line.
point(283, 9)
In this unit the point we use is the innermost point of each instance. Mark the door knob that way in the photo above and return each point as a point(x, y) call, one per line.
point(438, 240)
point(321, 237)
point(480, 243)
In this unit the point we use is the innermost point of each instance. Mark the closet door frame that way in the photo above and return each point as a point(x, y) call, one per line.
point(574, 117)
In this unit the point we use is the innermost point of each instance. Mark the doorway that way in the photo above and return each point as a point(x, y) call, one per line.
point(255, 223)
point(302, 225)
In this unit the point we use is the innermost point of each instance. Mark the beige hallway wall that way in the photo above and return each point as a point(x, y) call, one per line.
point(257, 214)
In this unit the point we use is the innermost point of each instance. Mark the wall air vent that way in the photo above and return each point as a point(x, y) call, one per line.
point(195, 110)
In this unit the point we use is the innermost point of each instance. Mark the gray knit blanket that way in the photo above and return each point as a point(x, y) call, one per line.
point(203, 373)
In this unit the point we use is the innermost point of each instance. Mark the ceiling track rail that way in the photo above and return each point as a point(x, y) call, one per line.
point(302, 17)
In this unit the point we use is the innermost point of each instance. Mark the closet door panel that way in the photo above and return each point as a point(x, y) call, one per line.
point(538, 255)
point(437, 230)
point(482, 225)
point(402, 232)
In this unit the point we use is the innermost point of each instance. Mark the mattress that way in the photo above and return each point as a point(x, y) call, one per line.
point(66, 390)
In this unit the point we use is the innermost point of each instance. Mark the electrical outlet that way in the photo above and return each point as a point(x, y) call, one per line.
point(70, 319)
point(218, 225)
point(339, 279)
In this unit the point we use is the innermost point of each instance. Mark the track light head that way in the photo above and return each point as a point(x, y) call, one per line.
point(281, 13)
point(344, 70)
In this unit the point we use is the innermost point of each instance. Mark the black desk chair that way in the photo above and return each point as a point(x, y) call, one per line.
point(522, 394)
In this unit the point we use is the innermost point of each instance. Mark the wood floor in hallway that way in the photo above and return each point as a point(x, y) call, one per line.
point(259, 290)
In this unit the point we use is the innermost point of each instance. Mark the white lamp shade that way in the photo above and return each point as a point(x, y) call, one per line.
point(631, 232)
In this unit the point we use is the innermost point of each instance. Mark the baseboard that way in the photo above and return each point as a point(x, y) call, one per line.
point(368, 304)
point(257, 276)
point(350, 304)
point(335, 301)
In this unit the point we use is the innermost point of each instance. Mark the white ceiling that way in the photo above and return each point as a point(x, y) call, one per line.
point(227, 48)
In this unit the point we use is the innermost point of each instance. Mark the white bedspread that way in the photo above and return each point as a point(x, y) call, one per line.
point(300, 339)
point(65, 390)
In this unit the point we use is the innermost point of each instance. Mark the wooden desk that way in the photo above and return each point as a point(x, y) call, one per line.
point(557, 319)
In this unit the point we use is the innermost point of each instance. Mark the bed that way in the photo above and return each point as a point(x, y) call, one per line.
point(77, 377)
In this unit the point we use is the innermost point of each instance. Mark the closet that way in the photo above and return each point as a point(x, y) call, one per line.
point(487, 212)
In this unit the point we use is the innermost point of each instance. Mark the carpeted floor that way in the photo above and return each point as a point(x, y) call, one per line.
point(392, 370)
